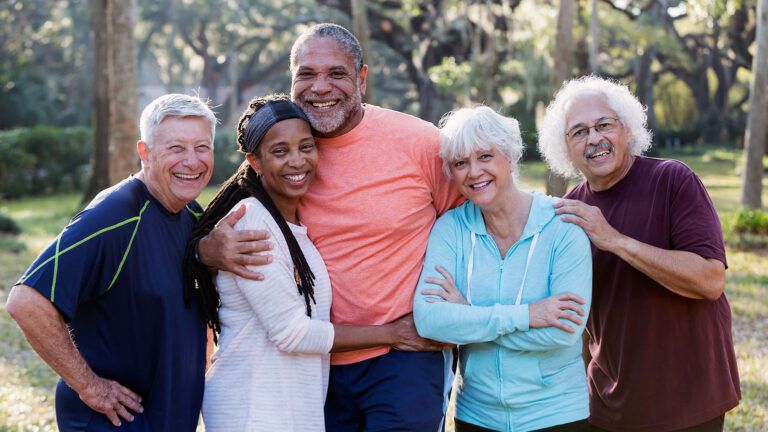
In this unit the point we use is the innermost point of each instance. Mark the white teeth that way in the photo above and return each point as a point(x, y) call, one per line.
point(186, 176)
point(598, 154)
point(297, 177)
point(480, 185)
point(323, 104)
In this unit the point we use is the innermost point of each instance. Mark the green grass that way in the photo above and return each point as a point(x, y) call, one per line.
point(26, 387)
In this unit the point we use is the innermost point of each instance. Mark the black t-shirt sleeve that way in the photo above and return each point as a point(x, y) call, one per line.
point(84, 261)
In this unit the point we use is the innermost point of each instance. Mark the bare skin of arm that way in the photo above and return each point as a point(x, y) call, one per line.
point(48, 335)
point(684, 273)
point(224, 248)
point(400, 335)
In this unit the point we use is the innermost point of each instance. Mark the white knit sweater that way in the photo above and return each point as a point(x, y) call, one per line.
point(270, 372)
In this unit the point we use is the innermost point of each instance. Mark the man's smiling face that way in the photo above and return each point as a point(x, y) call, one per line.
point(327, 87)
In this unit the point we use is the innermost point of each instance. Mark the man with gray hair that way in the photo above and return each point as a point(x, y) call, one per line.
point(660, 325)
point(103, 304)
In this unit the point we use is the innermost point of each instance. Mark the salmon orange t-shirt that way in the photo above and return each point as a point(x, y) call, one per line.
point(378, 190)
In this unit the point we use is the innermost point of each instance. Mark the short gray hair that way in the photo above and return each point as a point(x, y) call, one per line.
point(173, 105)
point(630, 111)
point(468, 130)
point(342, 36)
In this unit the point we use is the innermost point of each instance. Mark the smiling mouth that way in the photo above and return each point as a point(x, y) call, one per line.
point(598, 154)
point(296, 179)
point(182, 176)
point(481, 185)
point(323, 104)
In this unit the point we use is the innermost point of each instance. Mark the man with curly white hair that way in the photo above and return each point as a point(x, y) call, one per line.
point(660, 326)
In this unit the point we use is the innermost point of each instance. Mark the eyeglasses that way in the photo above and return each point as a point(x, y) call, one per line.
point(604, 126)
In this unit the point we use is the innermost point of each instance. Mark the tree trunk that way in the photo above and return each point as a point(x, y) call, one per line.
point(757, 120)
point(100, 163)
point(593, 39)
point(564, 49)
point(115, 117)
point(362, 31)
point(122, 92)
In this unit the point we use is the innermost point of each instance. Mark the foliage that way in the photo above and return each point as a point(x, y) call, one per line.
point(43, 159)
point(8, 225)
point(227, 157)
point(45, 56)
point(751, 221)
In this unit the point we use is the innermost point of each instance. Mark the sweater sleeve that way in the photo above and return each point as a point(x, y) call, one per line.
point(571, 272)
point(455, 323)
point(276, 301)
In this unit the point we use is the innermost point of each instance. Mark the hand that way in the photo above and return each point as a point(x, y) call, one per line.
point(225, 248)
point(111, 399)
point(547, 312)
point(408, 339)
point(591, 220)
point(449, 293)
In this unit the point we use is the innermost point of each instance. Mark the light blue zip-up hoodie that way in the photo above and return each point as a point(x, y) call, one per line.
point(512, 377)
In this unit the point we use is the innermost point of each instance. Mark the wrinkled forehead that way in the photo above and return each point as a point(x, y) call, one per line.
point(322, 51)
point(587, 107)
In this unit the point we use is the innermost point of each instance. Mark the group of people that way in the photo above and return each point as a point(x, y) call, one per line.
point(357, 249)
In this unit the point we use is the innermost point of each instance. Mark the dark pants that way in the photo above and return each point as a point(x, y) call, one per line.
point(577, 426)
point(714, 425)
point(399, 391)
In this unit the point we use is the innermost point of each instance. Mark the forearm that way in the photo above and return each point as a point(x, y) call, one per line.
point(463, 324)
point(684, 273)
point(49, 336)
point(352, 337)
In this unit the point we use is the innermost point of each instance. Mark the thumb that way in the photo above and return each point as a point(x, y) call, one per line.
point(231, 219)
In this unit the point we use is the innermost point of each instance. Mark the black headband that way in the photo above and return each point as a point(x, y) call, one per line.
point(266, 117)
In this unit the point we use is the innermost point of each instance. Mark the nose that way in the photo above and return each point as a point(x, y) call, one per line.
point(474, 169)
point(321, 84)
point(594, 138)
point(296, 159)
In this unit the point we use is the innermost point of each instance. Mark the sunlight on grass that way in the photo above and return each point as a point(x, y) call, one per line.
point(26, 389)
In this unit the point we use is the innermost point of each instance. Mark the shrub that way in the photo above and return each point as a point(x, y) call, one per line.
point(8, 225)
point(43, 159)
point(751, 222)
point(228, 158)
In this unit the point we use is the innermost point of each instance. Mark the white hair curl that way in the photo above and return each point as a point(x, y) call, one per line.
point(468, 130)
point(629, 110)
point(173, 105)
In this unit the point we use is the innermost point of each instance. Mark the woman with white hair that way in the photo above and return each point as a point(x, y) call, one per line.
point(510, 283)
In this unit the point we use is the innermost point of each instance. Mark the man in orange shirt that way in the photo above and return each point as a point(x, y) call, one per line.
point(378, 190)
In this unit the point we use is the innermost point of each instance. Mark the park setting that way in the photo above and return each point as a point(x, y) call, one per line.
point(76, 74)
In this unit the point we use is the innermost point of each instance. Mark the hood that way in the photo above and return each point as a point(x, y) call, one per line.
point(542, 213)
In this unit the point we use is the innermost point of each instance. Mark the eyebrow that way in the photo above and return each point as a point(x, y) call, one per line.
point(582, 124)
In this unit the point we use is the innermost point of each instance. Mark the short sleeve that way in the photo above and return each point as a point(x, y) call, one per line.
point(695, 226)
point(445, 196)
point(83, 262)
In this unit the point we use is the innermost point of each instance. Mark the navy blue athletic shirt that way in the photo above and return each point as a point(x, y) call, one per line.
point(115, 275)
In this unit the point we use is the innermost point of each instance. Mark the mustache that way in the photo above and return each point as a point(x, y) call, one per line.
point(601, 146)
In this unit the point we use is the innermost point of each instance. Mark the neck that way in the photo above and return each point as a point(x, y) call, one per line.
point(508, 218)
point(598, 184)
point(288, 208)
point(171, 207)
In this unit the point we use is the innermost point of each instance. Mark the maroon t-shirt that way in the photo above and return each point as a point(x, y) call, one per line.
point(660, 361)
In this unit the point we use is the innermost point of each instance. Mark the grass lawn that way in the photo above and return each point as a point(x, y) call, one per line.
point(26, 387)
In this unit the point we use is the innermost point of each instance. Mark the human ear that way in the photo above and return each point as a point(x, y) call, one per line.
point(254, 162)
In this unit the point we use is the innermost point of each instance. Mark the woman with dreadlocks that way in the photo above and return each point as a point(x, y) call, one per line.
point(270, 372)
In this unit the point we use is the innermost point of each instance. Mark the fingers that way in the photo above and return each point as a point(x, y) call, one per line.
point(247, 273)
point(131, 400)
point(122, 412)
point(437, 293)
point(231, 219)
point(572, 297)
point(562, 326)
point(442, 282)
point(112, 416)
point(445, 274)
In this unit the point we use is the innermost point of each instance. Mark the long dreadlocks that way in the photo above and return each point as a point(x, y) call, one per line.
point(198, 279)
